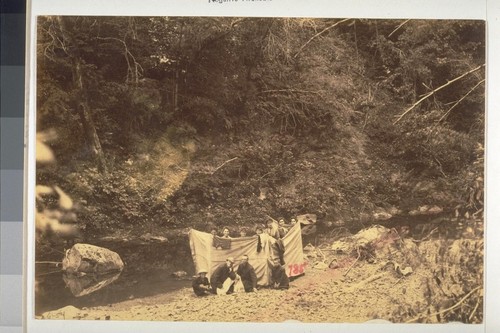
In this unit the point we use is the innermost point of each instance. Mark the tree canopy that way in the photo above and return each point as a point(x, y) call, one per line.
point(178, 121)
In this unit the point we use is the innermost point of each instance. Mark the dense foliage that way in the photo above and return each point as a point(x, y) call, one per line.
point(194, 121)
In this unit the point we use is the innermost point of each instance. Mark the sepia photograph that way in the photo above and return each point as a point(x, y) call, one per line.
point(259, 169)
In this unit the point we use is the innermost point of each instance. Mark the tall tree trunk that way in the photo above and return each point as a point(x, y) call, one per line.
point(89, 131)
point(81, 100)
point(91, 137)
point(175, 91)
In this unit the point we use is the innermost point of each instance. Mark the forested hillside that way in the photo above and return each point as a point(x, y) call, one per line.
point(179, 122)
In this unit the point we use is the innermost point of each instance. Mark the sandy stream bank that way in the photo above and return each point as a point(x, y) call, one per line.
point(366, 292)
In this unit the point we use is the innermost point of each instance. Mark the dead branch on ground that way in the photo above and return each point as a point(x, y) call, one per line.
point(56, 263)
point(426, 237)
point(447, 309)
point(321, 253)
point(475, 309)
point(366, 281)
point(355, 261)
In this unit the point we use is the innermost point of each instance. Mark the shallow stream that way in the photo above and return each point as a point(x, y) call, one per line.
point(149, 265)
point(147, 272)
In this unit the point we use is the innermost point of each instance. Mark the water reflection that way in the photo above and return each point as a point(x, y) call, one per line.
point(147, 272)
point(89, 283)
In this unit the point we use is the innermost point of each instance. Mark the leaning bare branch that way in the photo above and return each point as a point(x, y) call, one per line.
point(461, 99)
point(220, 166)
point(236, 21)
point(436, 90)
point(271, 218)
point(297, 91)
point(397, 28)
point(133, 72)
point(317, 35)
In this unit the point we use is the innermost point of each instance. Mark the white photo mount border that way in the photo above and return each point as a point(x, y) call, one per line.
point(424, 9)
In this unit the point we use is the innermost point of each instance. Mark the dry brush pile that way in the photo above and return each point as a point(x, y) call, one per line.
point(446, 274)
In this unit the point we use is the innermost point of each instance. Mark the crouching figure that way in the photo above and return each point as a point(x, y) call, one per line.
point(279, 279)
point(201, 287)
point(222, 279)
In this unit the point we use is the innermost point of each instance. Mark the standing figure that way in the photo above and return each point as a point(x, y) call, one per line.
point(247, 274)
point(259, 230)
point(282, 228)
point(243, 232)
point(226, 232)
point(273, 229)
point(222, 279)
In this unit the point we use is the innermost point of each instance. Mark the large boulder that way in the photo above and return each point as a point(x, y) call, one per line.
point(306, 219)
point(308, 223)
point(90, 259)
point(375, 236)
point(380, 241)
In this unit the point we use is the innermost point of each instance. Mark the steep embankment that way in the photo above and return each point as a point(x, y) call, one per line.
point(235, 119)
